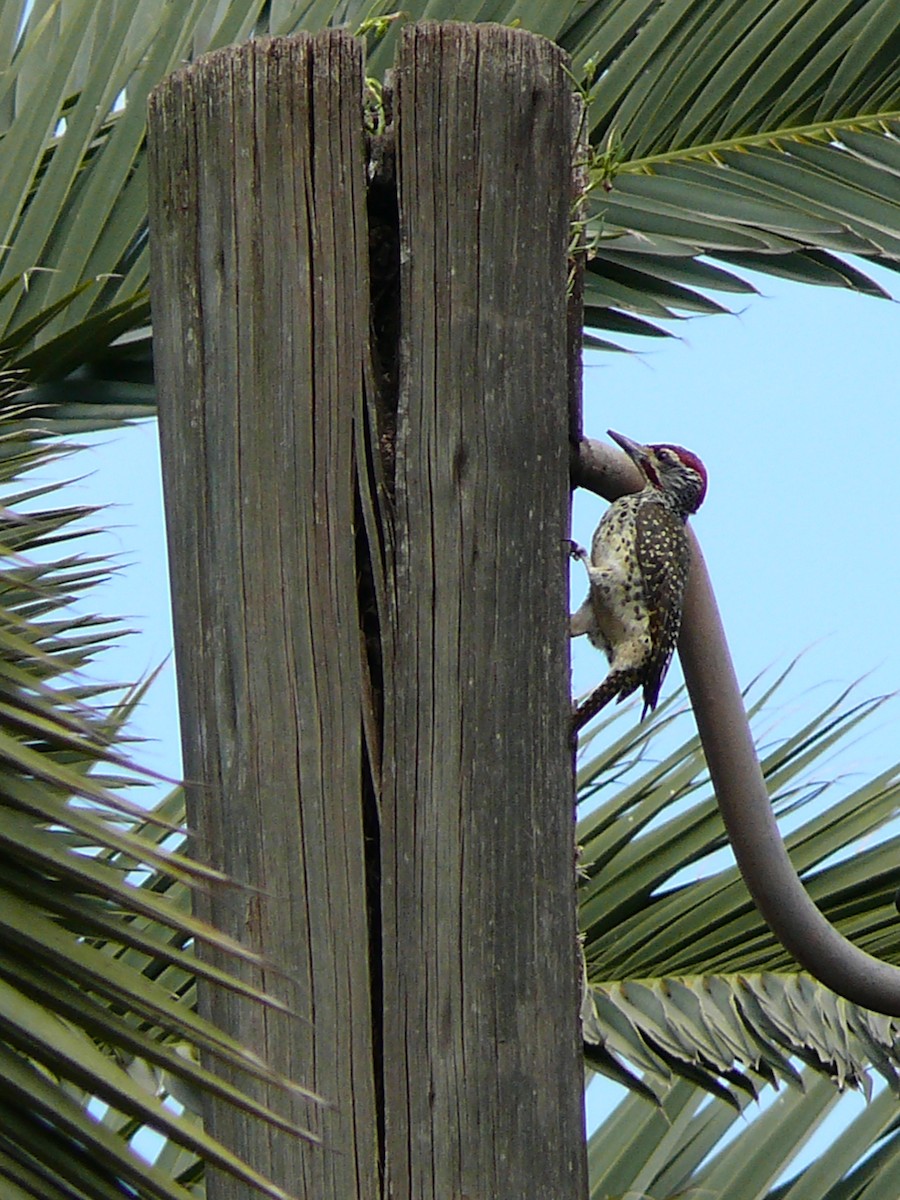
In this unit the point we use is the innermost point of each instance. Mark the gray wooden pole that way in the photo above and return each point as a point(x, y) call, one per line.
point(261, 329)
point(369, 580)
point(482, 1046)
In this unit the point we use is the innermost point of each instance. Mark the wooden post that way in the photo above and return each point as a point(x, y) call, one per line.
point(482, 1048)
point(260, 336)
point(368, 571)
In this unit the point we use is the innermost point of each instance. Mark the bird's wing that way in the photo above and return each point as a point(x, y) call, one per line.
point(663, 554)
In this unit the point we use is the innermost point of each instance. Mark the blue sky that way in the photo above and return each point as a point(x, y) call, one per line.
point(793, 406)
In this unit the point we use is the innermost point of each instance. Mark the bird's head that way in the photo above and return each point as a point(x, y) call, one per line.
point(672, 470)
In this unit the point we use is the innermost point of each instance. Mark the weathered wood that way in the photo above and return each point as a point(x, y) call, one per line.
point(260, 316)
point(481, 1038)
point(444, 993)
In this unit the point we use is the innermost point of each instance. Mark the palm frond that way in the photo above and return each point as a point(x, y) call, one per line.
point(762, 134)
point(683, 975)
point(714, 73)
point(97, 967)
point(735, 1033)
point(694, 1145)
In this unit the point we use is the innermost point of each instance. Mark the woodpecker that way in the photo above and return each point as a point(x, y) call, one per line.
point(637, 571)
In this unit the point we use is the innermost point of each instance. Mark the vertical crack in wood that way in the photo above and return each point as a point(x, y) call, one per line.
point(373, 721)
point(374, 520)
point(384, 283)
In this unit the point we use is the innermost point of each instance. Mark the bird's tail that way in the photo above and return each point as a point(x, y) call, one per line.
point(616, 686)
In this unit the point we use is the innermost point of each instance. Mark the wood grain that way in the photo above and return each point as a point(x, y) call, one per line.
point(370, 597)
point(260, 334)
point(482, 1049)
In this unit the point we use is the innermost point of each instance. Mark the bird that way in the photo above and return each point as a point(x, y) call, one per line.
point(637, 571)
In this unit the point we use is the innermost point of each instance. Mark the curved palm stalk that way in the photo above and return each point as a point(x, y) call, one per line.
point(96, 974)
point(684, 976)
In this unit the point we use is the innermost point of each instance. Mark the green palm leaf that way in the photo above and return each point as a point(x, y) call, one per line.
point(685, 978)
point(691, 1145)
point(762, 134)
point(96, 974)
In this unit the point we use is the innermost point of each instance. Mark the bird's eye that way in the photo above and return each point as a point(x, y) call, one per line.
point(667, 456)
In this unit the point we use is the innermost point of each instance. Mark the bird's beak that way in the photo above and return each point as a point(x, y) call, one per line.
point(635, 451)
